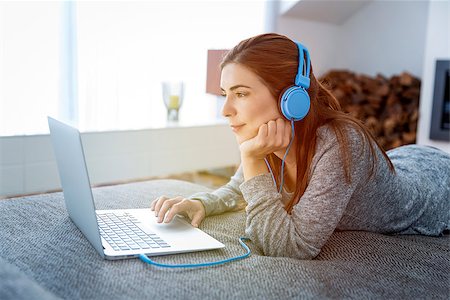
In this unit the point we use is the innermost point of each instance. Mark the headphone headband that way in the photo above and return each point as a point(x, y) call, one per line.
point(302, 78)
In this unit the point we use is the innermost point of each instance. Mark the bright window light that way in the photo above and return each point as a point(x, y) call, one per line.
point(124, 50)
point(29, 65)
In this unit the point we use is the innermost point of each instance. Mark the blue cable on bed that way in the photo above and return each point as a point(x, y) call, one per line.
point(145, 259)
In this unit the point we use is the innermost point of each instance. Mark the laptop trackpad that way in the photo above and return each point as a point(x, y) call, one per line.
point(178, 231)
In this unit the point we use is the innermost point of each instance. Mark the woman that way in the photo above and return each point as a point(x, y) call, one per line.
point(302, 180)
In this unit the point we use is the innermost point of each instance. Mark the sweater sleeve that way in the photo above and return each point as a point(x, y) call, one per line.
point(225, 198)
point(303, 233)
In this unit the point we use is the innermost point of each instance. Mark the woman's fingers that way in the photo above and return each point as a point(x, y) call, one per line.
point(166, 209)
point(168, 203)
point(157, 203)
point(197, 219)
point(153, 204)
point(272, 129)
point(278, 135)
point(176, 208)
point(280, 132)
point(262, 131)
point(287, 133)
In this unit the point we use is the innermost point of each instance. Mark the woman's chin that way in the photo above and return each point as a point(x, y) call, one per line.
point(244, 136)
point(239, 138)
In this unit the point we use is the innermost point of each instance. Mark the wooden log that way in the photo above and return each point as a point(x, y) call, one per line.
point(389, 107)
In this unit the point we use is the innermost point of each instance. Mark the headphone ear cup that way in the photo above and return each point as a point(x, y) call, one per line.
point(295, 103)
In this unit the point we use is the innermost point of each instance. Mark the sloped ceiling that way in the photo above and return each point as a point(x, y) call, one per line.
point(328, 11)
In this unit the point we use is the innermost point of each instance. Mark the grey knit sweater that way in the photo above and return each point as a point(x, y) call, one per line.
point(414, 200)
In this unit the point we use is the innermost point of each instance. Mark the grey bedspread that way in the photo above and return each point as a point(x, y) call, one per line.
point(43, 255)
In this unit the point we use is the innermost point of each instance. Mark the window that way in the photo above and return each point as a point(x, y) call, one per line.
point(122, 52)
point(29, 65)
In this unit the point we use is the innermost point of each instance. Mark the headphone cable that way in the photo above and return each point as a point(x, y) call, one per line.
point(284, 158)
point(147, 260)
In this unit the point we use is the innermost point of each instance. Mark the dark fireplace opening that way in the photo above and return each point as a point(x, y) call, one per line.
point(440, 118)
point(445, 124)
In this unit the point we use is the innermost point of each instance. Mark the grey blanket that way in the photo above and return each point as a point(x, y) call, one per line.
point(43, 255)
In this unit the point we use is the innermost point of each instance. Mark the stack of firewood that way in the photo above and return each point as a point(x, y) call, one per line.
point(388, 107)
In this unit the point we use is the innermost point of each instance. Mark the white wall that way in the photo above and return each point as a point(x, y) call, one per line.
point(321, 40)
point(27, 163)
point(383, 37)
point(437, 46)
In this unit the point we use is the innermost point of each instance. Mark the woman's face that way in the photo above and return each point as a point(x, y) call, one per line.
point(249, 104)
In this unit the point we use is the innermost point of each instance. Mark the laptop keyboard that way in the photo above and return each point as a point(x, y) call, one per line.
point(122, 233)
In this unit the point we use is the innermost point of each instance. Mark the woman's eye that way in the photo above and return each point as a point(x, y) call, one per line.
point(240, 95)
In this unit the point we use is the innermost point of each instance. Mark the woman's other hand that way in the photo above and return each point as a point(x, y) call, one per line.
point(272, 136)
point(166, 208)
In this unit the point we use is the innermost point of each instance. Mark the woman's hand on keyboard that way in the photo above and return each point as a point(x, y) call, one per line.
point(166, 208)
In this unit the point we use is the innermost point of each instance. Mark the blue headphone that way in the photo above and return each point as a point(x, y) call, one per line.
point(295, 101)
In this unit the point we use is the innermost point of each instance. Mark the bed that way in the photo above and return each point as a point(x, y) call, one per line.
point(44, 256)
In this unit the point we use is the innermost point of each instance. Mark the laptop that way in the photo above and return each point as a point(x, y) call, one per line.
point(119, 233)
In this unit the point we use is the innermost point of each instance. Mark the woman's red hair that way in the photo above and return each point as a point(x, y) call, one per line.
point(274, 59)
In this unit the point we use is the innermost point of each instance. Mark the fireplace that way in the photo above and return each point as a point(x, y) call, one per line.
point(440, 120)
